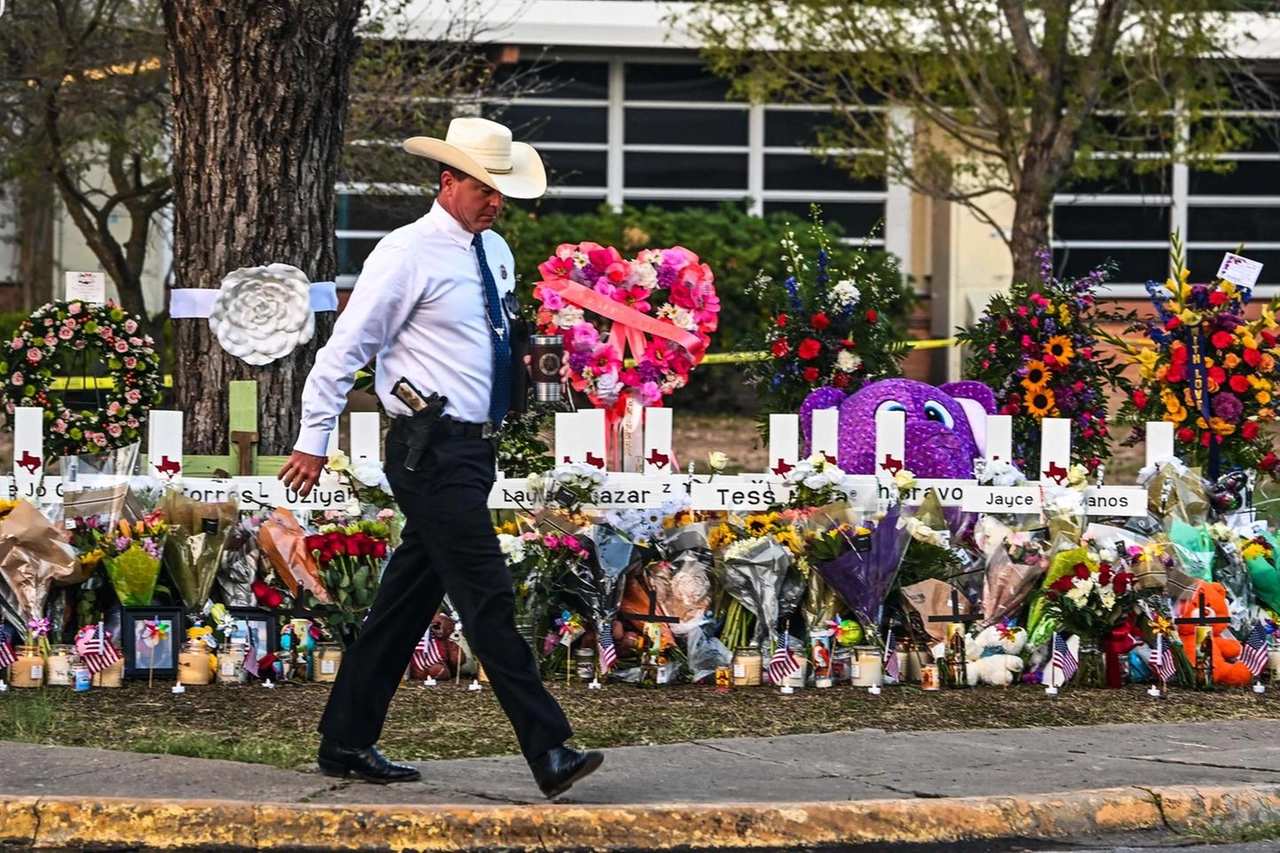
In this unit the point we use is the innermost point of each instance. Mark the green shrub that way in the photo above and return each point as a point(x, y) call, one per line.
point(737, 246)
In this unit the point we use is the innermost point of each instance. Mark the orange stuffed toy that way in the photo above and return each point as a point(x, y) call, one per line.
point(1226, 667)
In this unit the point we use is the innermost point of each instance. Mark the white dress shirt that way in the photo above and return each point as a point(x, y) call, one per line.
point(419, 307)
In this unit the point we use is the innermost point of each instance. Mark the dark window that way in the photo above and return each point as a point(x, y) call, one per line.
point(807, 172)
point(857, 220)
point(1250, 177)
point(1204, 264)
point(1123, 181)
point(686, 127)
point(558, 204)
point(375, 212)
point(537, 123)
point(577, 168)
point(704, 171)
point(351, 255)
point(673, 83)
point(1135, 265)
point(1237, 224)
point(800, 128)
point(1091, 222)
point(683, 203)
point(585, 80)
point(1263, 132)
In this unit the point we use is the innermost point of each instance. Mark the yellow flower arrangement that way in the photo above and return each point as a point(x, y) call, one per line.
point(760, 523)
point(790, 540)
point(721, 535)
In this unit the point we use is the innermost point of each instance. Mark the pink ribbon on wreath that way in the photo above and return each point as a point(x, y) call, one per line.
point(629, 325)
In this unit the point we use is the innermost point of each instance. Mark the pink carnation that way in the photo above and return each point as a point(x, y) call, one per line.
point(65, 333)
point(34, 356)
point(551, 300)
point(17, 343)
point(649, 393)
point(133, 395)
point(73, 308)
point(115, 430)
point(130, 326)
point(122, 346)
point(581, 338)
point(17, 379)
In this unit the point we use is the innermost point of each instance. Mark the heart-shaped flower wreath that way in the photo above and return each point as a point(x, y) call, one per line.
point(662, 306)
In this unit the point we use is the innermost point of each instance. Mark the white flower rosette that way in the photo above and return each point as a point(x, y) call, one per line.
point(263, 313)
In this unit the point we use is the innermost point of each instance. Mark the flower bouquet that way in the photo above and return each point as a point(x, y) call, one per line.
point(1209, 370)
point(349, 558)
point(1092, 600)
point(1041, 342)
point(131, 555)
point(1015, 560)
point(193, 547)
point(756, 571)
point(831, 325)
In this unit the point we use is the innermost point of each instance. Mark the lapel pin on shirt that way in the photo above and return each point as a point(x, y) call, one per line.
point(502, 271)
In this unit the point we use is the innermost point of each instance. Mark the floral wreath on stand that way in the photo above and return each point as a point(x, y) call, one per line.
point(44, 348)
point(667, 335)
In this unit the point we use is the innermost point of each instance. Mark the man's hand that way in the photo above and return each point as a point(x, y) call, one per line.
point(302, 471)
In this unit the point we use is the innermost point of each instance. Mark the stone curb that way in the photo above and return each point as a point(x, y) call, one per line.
point(76, 823)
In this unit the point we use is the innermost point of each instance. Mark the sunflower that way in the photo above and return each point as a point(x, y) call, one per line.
point(1037, 376)
point(1059, 346)
point(1039, 402)
point(758, 525)
point(721, 535)
point(789, 540)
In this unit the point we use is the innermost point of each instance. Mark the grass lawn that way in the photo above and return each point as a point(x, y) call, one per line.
point(277, 727)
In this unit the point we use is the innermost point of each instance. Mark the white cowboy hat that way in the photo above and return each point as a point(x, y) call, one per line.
point(484, 150)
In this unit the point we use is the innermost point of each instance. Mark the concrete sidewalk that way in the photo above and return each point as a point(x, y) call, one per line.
point(847, 787)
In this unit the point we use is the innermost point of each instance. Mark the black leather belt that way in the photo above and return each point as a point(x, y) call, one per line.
point(465, 429)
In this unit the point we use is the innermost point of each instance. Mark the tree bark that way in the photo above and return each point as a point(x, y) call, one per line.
point(259, 95)
point(35, 239)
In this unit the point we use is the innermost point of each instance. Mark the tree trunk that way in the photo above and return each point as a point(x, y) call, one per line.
point(259, 96)
point(1033, 201)
point(35, 239)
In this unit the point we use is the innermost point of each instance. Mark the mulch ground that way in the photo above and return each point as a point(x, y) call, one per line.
point(250, 723)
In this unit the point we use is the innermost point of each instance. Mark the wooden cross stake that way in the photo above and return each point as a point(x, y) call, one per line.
point(244, 441)
point(955, 639)
point(1204, 645)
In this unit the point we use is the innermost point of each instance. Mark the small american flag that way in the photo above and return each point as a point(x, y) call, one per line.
point(98, 653)
point(1161, 661)
point(251, 662)
point(7, 657)
point(891, 667)
point(784, 663)
point(428, 652)
point(1253, 653)
point(608, 654)
point(1063, 659)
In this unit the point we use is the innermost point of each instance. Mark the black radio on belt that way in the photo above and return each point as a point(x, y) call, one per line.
point(426, 414)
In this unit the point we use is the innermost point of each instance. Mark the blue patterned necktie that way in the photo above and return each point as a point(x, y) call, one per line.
point(500, 399)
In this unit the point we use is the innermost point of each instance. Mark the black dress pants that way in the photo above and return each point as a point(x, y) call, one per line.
point(448, 546)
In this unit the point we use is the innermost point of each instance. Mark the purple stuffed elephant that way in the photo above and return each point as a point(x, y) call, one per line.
point(945, 425)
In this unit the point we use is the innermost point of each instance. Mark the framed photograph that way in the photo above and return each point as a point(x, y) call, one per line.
point(151, 637)
point(256, 627)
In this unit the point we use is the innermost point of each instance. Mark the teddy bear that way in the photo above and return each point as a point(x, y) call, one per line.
point(946, 425)
point(443, 629)
point(995, 655)
point(1226, 667)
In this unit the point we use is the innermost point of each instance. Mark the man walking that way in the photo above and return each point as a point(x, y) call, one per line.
point(434, 304)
